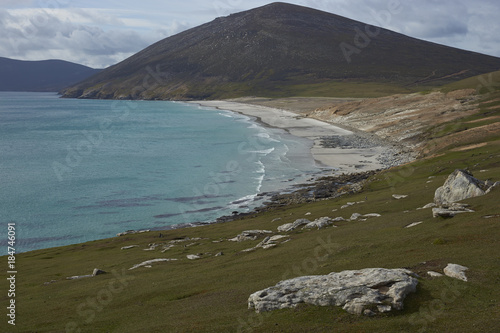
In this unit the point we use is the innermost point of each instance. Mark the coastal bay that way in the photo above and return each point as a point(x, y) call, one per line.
point(356, 153)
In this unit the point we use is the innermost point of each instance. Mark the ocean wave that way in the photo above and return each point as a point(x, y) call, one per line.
point(267, 136)
point(264, 152)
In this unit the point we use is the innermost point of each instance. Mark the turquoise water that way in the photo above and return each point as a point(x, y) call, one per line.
point(78, 170)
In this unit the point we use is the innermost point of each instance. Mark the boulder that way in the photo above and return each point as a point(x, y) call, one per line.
point(193, 256)
point(292, 226)
point(374, 289)
point(250, 235)
point(450, 210)
point(460, 185)
point(269, 242)
point(434, 274)
point(355, 216)
point(456, 271)
point(320, 223)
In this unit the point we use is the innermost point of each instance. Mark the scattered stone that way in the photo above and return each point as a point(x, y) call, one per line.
point(349, 204)
point(414, 224)
point(152, 247)
point(355, 216)
point(129, 247)
point(219, 254)
point(95, 272)
point(77, 277)
point(434, 274)
point(456, 271)
point(339, 219)
point(399, 196)
point(371, 215)
point(491, 216)
point(50, 282)
point(269, 242)
point(250, 235)
point(131, 232)
point(193, 256)
point(429, 205)
point(292, 226)
point(319, 223)
point(451, 210)
point(276, 219)
point(149, 262)
point(308, 213)
point(355, 291)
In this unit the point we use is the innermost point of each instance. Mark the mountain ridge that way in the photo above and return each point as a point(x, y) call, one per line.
point(43, 75)
point(269, 49)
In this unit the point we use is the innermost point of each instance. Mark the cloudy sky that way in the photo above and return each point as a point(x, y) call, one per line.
point(99, 33)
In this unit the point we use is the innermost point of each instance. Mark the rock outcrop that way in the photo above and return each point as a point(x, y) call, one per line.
point(148, 263)
point(459, 186)
point(356, 291)
point(250, 235)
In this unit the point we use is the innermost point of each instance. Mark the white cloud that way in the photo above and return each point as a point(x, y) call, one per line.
point(100, 33)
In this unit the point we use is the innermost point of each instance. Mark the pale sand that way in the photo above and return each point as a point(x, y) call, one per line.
point(344, 160)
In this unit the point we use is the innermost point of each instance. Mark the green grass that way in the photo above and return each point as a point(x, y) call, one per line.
point(485, 83)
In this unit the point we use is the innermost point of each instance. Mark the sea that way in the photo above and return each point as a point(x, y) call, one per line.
point(74, 170)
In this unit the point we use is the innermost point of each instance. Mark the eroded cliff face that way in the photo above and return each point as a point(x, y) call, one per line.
point(403, 119)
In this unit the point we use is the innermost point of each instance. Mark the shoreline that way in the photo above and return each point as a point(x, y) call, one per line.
point(332, 147)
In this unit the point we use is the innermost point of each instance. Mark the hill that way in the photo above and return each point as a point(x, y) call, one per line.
point(283, 50)
point(46, 75)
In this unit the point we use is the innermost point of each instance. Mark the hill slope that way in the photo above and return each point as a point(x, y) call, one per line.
point(275, 50)
point(46, 75)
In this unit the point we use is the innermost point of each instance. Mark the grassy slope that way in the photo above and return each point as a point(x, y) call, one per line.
point(210, 294)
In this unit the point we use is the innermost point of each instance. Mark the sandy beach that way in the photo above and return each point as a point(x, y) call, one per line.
point(344, 160)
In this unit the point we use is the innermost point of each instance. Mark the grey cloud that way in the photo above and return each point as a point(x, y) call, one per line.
point(46, 35)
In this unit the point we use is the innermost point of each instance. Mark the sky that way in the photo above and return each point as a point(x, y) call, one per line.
point(101, 33)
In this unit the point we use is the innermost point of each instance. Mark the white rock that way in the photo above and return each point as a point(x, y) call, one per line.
point(458, 186)
point(372, 215)
point(355, 216)
point(354, 291)
point(292, 226)
point(149, 262)
point(434, 274)
point(414, 224)
point(284, 227)
point(129, 247)
point(319, 223)
point(193, 257)
point(399, 196)
point(250, 235)
point(456, 271)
